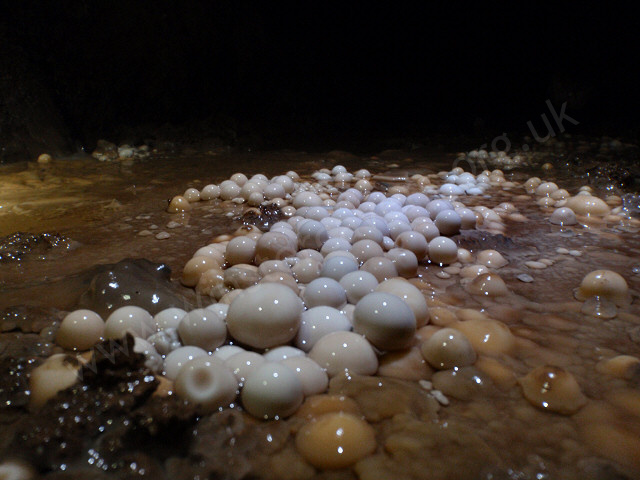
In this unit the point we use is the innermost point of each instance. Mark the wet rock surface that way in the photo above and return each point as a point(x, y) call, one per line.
point(17, 246)
point(131, 282)
point(264, 218)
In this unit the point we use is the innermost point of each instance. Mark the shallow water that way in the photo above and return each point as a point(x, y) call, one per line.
point(485, 428)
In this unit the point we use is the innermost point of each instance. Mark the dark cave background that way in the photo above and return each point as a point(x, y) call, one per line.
point(307, 74)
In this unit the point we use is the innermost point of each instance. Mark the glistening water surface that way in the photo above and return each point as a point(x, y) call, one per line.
point(553, 390)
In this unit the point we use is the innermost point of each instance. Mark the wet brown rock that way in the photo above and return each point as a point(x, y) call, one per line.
point(112, 385)
point(380, 398)
point(267, 216)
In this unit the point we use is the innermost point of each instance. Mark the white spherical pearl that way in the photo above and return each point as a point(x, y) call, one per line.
point(410, 294)
point(169, 318)
point(265, 315)
point(220, 309)
point(313, 378)
point(227, 351)
point(279, 354)
point(273, 390)
point(396, 215)
point(563, 216)
point(358, 284)
point(363, 250)
point(467, 218)
point(448, 222)
point(243, 364)
point(406, 261)
point(274, 246)
point(202, 328)
point(385, 320)
point(312, 234)
point(206, 382)
point(306, 270)
point(306, 199)
point(229, 189)
point(376, 197)
point(436, 206)
point(351, 222)
point(210, 192)
point(428, 230)
point(274, 190)
point(413, 241)
point(174, 361)
point(419, 199)
point(192, 195)
point(397, 227)
point(367, 207)
point(286, 182)
point(362, 173)
point(334, 245)
point(413, 211)
point(388, 205)
point(324, 291)
point(341, 232)
point(239, 178)
point(448, 348)
point(309, 253)
point(376, 221)
point(330, 223)
point(338, 352)
point(273, 266)
point(337, 267)
point(317, 322)
point(367, 232)
point(240, 250)
point(443, 250)
point(134, 320)
point(450, 189)
point(80, 330)
point(316, 213)
point(380, 267)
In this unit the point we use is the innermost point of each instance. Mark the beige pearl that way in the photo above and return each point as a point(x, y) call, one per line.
point(57, 373)
point(588, 205)
point(554, 389)
point(80, 330)
point(448, 348)
point(195, 267)
point(317, 405)
point(487, 336)
point(178, 204)
point(604, 283)
point(488, 284)
point(335, 440)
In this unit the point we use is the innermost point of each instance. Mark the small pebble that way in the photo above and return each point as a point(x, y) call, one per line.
point(523, 277)
point(173, 224)
point(440, 397)
point(562, 251)
point(426, 384)
point(163, 235)
point(548, 262)
point(535, 265)
point(575, 253)
point(443, 275)
point(153, 227)
point(145, 233)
